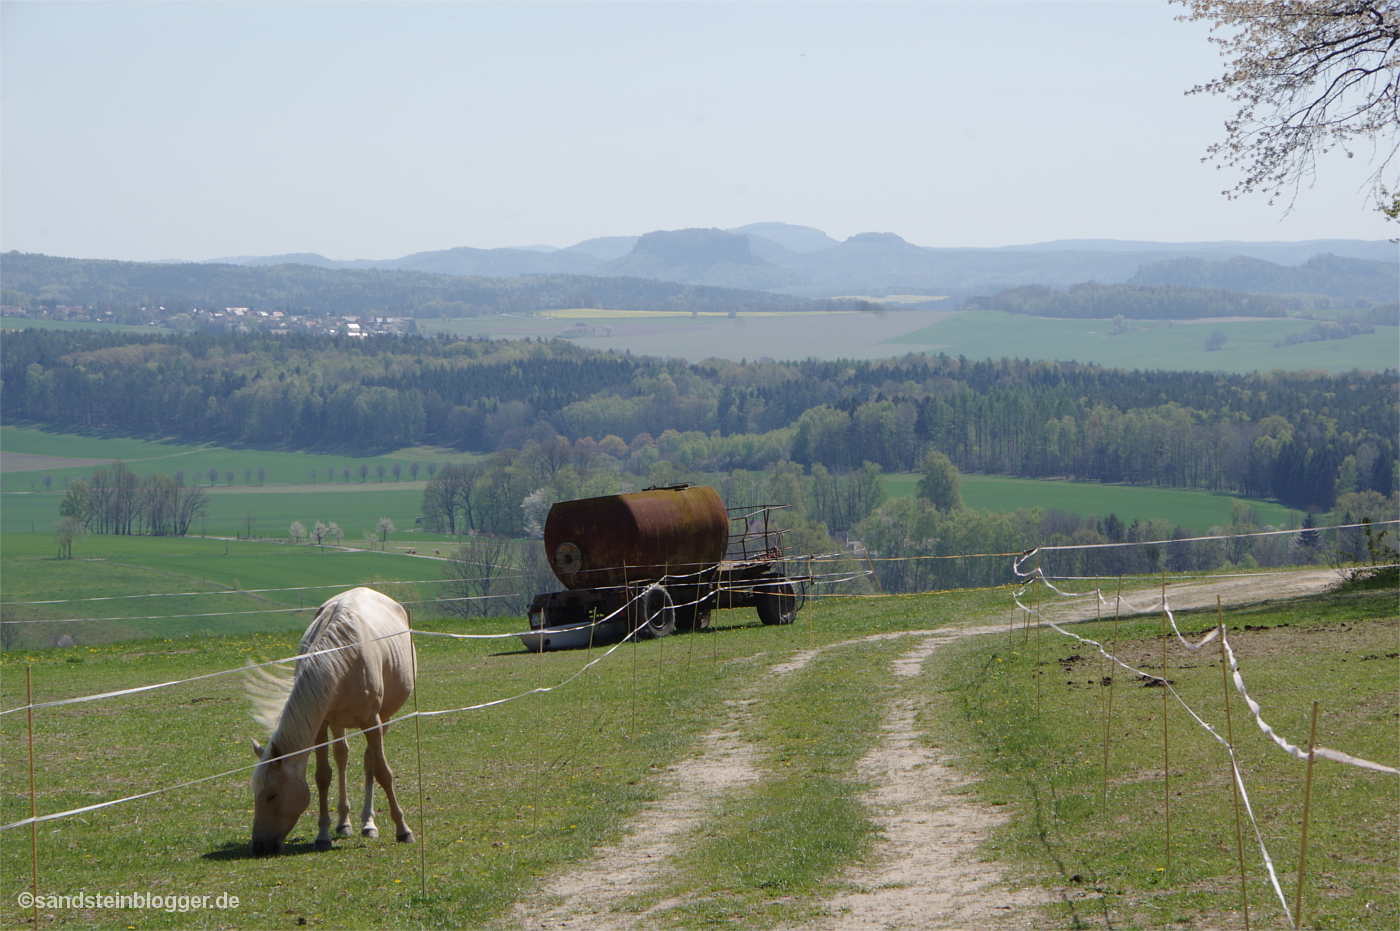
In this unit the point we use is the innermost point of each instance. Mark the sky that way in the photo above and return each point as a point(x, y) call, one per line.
point(148, 131)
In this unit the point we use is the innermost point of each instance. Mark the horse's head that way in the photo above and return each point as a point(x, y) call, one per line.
point(280, 795)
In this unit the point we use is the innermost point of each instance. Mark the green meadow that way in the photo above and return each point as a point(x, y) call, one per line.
point(146, 456)
point(1249, 344)
point(505, 798)
point(178, 587)
point(1199, 510)
point(25, 323)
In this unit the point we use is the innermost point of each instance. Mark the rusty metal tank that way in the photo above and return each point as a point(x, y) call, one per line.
point(624, 539)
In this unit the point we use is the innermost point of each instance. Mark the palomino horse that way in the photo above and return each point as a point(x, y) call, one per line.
point(360, 685)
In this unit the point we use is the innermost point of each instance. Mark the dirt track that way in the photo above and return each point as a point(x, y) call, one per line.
point(927, 870)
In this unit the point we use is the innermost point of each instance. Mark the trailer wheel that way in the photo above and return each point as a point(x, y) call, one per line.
point(776, 603)
point(655, 615)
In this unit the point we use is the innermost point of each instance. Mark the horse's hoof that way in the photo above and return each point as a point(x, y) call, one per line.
point(344, 830)
point(323, 843)
point(370, 832)
point(406, 838)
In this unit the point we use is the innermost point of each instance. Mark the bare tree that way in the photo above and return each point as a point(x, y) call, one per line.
point(379, 470)
point(413, 468)
point(398, 471)
point(482, 577)
point(228, 476)
point(364, 471)
point(262, 474)
point(1308, 76)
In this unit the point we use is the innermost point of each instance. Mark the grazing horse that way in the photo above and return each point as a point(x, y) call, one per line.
point(358, 686)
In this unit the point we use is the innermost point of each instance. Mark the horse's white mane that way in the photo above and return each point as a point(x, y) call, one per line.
point(268, 691)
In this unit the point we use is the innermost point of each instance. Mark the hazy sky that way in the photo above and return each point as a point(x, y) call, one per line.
point(195, 130)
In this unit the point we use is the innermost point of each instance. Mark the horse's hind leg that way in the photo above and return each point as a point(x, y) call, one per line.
point(368, 828)
point(323, 786)
point(342, 759)
point(375, 746)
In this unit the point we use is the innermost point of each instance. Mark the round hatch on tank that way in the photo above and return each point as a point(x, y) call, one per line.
point(568, 559)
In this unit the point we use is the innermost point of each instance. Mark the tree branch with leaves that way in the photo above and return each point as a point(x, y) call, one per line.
point(1309, 76)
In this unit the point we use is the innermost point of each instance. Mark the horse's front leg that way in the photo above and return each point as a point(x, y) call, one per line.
point(374, 740)
point(323, 786)
point(342, 759)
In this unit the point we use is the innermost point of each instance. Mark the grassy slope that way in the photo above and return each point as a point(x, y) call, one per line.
point(1250, 346)
point(1041, 748)
point(1197, 509)
point(515, 792)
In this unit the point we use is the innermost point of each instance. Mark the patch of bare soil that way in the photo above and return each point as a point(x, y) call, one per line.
point(926, 872)
point(24, 462)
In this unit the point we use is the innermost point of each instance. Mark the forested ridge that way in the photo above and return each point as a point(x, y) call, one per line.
point(1301, 437)
point(398, 292)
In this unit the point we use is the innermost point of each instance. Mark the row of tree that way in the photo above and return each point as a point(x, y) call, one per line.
point(1284, 435)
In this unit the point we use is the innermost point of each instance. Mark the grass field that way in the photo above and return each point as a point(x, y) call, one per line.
point(125, 572)
point(146, 456)
point(25, 323)
point(516, 793)
point(1199, 510)
point(975, 334)
point(1033, 708)
point(1180, 347)
point(355, 510)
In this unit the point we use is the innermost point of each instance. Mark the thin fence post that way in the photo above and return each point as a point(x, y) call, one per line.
point(1036, 668)
point(1230, 743)
point(1112, 675)
point(418, 741)
point(1166, 747)
point(1307, 806)
point(539, 730)
point(33, 804)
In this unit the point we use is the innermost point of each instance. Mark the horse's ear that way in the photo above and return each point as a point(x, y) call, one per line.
point(257, 749)
point(273, 752)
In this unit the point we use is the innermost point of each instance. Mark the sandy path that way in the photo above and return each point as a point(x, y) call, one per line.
point(926, 872)
point(584, 897)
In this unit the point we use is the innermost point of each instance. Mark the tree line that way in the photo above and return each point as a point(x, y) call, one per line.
point(1301, 437)
point(118, 501)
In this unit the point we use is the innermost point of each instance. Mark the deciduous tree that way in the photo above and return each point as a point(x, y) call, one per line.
point(1308, 76)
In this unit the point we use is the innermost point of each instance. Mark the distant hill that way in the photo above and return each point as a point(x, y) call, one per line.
point(1284, 253)
point(700, 257)
point(605, 247)
point(792, 238)
point(1158, 302)
point(804, 260)
point(406, 292)
point(1332, 275)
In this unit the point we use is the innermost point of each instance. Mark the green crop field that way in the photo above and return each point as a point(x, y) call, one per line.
point(1151, 344)
point(1199, 510)
point(25, 323)
point(138, 577)
point(145, 456)
point(355, 510)
point(504, 799)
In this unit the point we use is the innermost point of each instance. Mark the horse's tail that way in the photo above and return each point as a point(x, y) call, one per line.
point(269, 692)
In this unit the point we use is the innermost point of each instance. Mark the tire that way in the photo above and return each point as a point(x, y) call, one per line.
point(655, 615)
point(776, 603)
